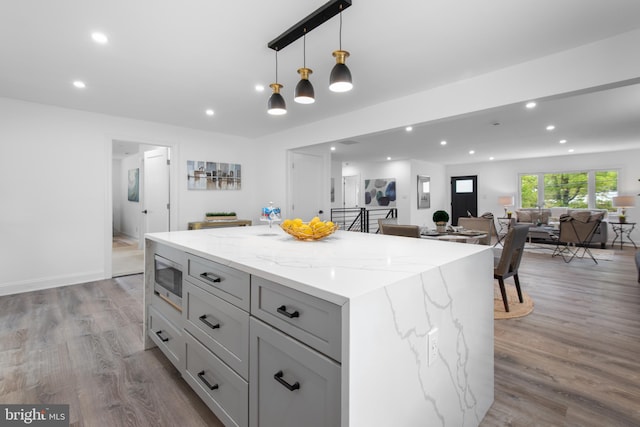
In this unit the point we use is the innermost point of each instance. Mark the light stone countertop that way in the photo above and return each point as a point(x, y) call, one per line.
point(341, 267)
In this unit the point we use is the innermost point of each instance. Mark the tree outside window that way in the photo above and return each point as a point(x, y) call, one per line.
point(569, 189)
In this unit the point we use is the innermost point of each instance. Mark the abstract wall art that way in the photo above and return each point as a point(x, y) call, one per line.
point(133, 185)
point(380, 192)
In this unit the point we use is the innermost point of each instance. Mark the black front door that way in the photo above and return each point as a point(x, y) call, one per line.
point(464, 197)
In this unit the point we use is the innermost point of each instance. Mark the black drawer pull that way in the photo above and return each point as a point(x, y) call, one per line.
point(204, 320)
point(211, 277)
point(278, 376)
point(161, 338)
point(207, 383)
point(283, 310)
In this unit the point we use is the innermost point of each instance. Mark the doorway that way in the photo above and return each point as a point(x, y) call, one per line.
point(464, 197)
point(140, 202)
point(350, 191)
point(307, 186)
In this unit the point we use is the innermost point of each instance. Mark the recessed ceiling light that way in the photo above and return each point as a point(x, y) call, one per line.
point(571, 150)
point(472, 152)
point(563, 141)
point(99, 38)
point(551, 127)
point(409, 128)
point(443, 142)
point(388, 158)
point(79, 84)
point(333, 148)
point(491, 158)
point(210, 112)
point(259, 88)
point(531, 104)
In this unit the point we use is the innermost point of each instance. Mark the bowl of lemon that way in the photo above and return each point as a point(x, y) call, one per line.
point(315, 229)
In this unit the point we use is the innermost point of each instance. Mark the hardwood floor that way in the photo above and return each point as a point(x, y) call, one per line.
point(575, 361)
point(82, 345)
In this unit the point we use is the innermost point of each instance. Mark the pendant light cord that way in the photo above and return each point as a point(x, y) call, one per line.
point(340, 32)
point(276, 65)
point(304, 49)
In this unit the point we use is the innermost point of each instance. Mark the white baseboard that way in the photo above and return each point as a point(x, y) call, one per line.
point(48, 283)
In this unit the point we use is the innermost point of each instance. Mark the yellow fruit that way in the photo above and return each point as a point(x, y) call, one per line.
point(305, 229)
point(329, 224)
point(318, 224)
point(314, 220)
point(297, 222)
point(287, 223)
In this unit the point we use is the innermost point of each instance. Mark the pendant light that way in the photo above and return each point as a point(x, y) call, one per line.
point(276, 105)
point(340, 78)
point(304, 93)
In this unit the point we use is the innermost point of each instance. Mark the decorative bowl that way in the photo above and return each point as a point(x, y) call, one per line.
point(310, 234)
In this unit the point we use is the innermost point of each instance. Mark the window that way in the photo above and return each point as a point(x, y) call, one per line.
point(585, 189)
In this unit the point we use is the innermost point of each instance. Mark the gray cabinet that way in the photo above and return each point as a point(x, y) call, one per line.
point(312, 320)
point(166, 336)
point(256, 352)
point(223, 391)
point(292, 385)
point(228, 283)
point(221, 326)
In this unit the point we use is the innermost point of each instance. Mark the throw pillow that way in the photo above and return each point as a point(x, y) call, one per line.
point(582, 216)
point(523, 216)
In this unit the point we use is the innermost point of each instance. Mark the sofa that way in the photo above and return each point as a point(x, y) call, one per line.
point(550, 217)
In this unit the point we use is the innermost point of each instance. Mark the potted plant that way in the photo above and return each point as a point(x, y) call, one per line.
point(440, 218)
point(216, 216)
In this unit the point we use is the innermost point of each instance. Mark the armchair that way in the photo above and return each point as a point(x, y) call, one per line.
point(576, 234)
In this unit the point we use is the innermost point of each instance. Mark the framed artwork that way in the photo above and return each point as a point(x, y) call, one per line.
point(203, 175)
point(380, 192)
point(133, 185)
point(424, 192)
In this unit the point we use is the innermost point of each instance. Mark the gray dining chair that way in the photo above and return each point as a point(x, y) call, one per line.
point(507, 260)
point(400, 230)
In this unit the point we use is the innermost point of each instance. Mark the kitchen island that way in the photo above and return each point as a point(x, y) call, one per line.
point(354, 330)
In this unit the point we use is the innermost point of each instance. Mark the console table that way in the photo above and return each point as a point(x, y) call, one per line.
point(219, 223)
point(623, 229)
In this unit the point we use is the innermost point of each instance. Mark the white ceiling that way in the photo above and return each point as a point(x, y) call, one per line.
point(168, 61)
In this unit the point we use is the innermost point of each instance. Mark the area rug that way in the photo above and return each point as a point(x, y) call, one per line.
point(599, 254)
point(516, 308)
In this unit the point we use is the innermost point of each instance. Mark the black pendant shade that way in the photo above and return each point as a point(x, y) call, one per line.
point(340, 78)
point(304, 93)
point(276, 105)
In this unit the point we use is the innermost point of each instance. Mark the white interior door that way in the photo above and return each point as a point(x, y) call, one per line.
point(351, 191)
point(156, 190)
point(307, 187)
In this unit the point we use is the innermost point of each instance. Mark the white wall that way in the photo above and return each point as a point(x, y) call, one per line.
point(56, 181)
point(573, 70)
point(501, 178)
point(55, 185)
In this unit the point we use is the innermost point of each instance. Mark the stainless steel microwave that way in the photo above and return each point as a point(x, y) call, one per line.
point(168, 279)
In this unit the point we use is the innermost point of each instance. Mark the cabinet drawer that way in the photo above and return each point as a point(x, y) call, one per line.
point(224, 392)
point(311, 320)
point(220, 326)
point(167, 337)
point(291, 384)
point(225, 282)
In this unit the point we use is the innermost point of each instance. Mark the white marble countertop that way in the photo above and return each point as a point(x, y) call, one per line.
point(338, 268)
